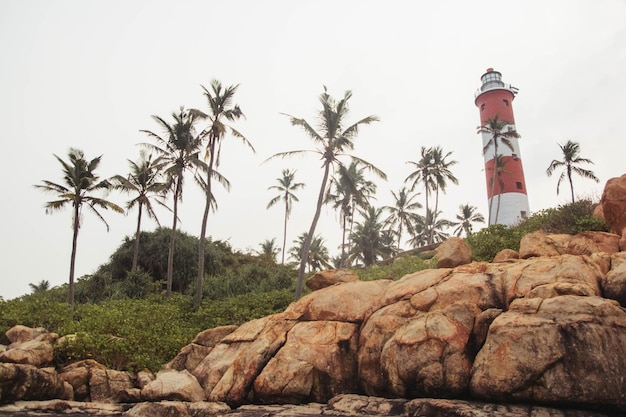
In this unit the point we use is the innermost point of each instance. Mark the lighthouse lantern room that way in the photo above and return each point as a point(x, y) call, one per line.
point(506, 187)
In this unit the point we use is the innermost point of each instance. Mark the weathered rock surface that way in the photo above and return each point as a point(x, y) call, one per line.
point(171, 385)
point(27, 382)
point(330, 277)
point(613, 204)
point(92, 381)
point(453, 252)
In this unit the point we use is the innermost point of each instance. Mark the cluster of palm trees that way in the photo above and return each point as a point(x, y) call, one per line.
point(191, 143)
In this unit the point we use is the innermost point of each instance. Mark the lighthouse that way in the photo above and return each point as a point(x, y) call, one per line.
point(506, 188)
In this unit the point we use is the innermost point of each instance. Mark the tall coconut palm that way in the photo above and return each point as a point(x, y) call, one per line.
point(178, 149)
point(333, 138)
point(424, 173)
point(221, 111)
point(269, 249)
point(349, 190)
point(571, 158)
point(80, 181)
point(441, 172)
point(402, 213)
point(286, 188)
point(496, 129)
point(499, 167)
point(144, 181)
point(467, 215)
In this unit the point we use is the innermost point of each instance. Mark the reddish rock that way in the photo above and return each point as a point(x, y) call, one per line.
point(453, 252)
point(614, 204)
point(506, 255)
point(331, 277)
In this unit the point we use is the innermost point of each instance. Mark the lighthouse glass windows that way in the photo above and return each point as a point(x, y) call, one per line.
point(491, 79)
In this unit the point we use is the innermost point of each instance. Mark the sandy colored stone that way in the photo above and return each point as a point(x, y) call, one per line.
point(453, 252)
point(331, 277)
point(173, 385)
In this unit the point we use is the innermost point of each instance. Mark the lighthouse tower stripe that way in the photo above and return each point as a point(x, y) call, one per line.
point(507, 194)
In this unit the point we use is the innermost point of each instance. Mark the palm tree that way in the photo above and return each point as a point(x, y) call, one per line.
point(351, 191)
point(430, 229)
point(467, 215)
point(221, 110)
point(41, 287)
point(269, 249)
point(499, 167)
point(571, 158)
point(402, 213)
point(370, 241)
point(143, 181)
point(495, 127)
point(424, 172)
point(80, 181)
point(286, 188)
point(178, 151)
point(441, 172)
point(333, 138)
point(317, 253)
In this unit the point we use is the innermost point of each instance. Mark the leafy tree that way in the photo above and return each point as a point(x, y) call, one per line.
point(317, 253)
point(370, 242)
point(333, 138)
point(467, 215)
point(349, 190)
point(286, 188)
point(41, 287)
point(143, 181)
point(80, 181)
point(495, 127)
point(221, 110)
point(178, 151)
point(402, 213)
point(570, 162)
point(424, 173)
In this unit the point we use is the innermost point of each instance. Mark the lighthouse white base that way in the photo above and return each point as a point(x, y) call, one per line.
point(513, 208)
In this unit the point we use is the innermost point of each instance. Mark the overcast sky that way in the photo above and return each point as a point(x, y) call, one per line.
point(89, 74)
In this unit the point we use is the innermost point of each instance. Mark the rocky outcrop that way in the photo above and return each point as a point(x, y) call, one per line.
point(453, 252)
point(613, 203)
point(330, 277)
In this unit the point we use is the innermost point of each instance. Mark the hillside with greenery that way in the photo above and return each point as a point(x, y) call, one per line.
point(126, 321)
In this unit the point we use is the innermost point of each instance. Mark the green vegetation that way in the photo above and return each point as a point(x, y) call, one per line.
point(570, 218)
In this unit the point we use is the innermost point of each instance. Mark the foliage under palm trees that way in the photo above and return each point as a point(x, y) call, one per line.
point(333, 139)
point(467, 215)
point(81, 181)
point(269, 249)
point(369, 241)
point(286, 188)
point(178, 149)
point(430, 229)
point(41, 287)
point(221, 110)
point(143, 181)
point(495, 128)
point(571, 158)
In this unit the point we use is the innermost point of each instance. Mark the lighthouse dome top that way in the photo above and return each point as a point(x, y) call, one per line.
point(491, 80)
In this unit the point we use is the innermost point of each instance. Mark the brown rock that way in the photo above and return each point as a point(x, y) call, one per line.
point(331, 277)
point(108, 384)
point(559, 350)
point(21, 334)
point(613, 203)
point(505, 255)
point(178, 409)
point(453, 252)
point(192, 354)
point(78, 375)
point(614, 283)
point(212, 337)
point(326, 367)
point(173, 386)
point(27, 382)
point(32, 352)
point(542, 244)
point(587, 243)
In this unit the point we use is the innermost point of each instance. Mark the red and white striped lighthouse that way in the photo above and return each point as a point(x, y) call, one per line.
point(506, 188)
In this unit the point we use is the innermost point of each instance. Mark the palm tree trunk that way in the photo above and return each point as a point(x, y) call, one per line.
point(70, 290)
point(493, 178)
point(343, 240)
point(205, 216)
point(307, 242)
point(285, 229)
point(170, 251)
point(133, 267)
point(571, 184)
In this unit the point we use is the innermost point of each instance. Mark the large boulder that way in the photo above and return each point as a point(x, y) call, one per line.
point(192, 354)
point(330, 277)
point(565, 350)
point(613, 204)
point(453, 252)
point(173, 385)
point(29, 346)
point(92, 381)
point(27, 382)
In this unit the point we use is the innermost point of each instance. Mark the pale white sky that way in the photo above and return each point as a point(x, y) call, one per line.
point(89, 74)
